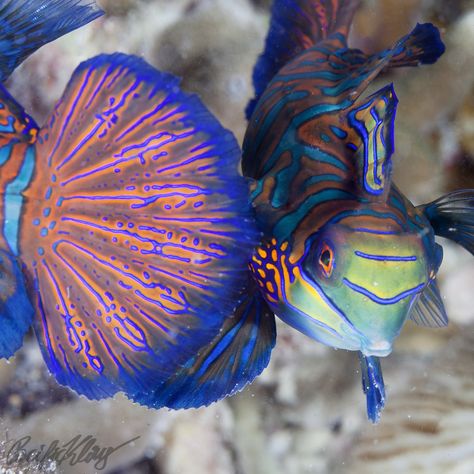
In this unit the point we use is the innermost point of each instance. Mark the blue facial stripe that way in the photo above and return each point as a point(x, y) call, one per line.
point(386, 258)
point(378, 299)
point(13, 200)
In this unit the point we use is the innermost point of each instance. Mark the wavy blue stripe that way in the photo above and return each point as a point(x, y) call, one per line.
point(388, 258)
point(378, 299)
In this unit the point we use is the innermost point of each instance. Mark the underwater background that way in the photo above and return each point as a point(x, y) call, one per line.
point(306, 412)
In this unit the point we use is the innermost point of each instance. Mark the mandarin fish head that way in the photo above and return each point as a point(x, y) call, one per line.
point(354, 287)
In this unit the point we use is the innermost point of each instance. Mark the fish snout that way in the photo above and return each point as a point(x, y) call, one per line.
point(379, 348)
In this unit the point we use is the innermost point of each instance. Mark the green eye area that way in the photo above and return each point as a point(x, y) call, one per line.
point(326, 259)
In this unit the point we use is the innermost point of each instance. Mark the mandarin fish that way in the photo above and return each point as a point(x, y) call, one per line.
point(147, 264)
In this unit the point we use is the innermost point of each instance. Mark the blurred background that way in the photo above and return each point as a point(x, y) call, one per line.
point(306, 413)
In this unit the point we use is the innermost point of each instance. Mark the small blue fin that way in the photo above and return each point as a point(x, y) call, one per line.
point(238, 354)
point(372, 120)
point(26, 25)
point(16, 311)
point(429, 309)
point(295, 26)
point(452, 217)
point(373, 386)
point(422, 46)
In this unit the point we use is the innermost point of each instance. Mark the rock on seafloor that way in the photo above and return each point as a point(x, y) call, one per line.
point(427, 426)
point(306, 413)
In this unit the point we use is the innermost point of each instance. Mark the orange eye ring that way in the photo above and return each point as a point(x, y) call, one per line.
point(326, 259)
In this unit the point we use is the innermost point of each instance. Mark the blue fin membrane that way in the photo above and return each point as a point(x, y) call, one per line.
point(452, 217)
point(429, 309)
point(136, 230)
point(373, 386)
point(238, 354)
point(26, 25)
point(296, 25)
point(16, 311)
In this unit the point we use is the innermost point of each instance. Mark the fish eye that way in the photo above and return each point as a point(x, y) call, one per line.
point(326, 259)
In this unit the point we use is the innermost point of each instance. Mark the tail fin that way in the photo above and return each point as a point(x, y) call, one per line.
point(295, 26)
point(452, 216)
point(26, 25)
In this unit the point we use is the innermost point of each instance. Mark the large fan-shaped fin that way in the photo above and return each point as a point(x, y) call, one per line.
point(136, 230)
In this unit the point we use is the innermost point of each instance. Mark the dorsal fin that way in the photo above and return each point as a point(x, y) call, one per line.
point(372, 123)
point(295, 26)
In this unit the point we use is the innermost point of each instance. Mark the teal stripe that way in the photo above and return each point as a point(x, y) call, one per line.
point(5, 153)
point(14, 199)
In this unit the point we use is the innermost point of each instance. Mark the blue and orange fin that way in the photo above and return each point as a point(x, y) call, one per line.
point(297, 25)
point(452, 217)
point(373, 386)
point(16, 311)
point(371, 122)
point(428, 309)
point(238, 354)
point(26, 25)
point(136, 230)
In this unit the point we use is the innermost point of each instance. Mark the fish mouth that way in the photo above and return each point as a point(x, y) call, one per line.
point(378, 349)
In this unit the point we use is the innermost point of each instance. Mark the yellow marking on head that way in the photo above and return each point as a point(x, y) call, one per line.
point(262, 253)
point(284, 246)
point(256, 260)
point(286, 274)
point(277, 278)
point(272, 299)
point(274, 242)
point(274, 255)
point(292, 259)
point(261, 273)
point(270, 287)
